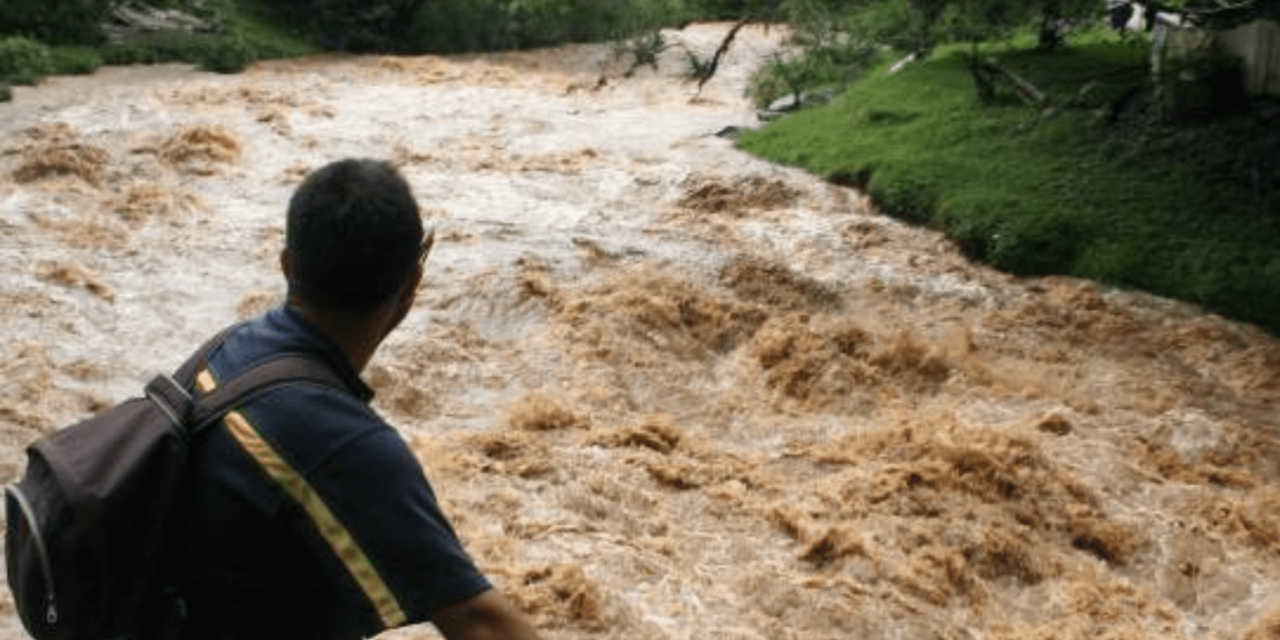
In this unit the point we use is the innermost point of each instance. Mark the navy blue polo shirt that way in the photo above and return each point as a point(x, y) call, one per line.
point(308, 516)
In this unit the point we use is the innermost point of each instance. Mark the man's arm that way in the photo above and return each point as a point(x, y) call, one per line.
point(487, 616)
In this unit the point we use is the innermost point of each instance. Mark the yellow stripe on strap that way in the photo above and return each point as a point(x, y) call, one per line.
point(205, 381)
point(330, 528)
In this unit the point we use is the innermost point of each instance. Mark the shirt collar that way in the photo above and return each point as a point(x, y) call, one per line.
point(327, 348)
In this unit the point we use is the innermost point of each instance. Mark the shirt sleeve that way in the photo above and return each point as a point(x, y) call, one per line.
point(377, 489)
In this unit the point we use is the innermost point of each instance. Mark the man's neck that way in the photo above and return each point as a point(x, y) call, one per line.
point(357, 336)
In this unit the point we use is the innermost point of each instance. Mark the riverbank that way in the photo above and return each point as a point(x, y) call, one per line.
point(1097, 192)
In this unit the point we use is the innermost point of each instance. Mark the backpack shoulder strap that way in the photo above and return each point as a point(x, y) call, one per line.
point(186, 374)
point(172, 393)
point(284, 369)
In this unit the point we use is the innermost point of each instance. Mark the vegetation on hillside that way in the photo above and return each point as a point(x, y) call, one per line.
point(244, 30)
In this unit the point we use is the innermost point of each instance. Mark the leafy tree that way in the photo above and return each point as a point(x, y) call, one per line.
point(930, 11)
point(917, 25)
point(378, 25)
point(57, 21)
point(979, 20)
point(354, 25)
point(1054, 12)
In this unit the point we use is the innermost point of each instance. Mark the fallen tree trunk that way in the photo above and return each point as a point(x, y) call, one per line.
point(1029, 92)
point(709, 70)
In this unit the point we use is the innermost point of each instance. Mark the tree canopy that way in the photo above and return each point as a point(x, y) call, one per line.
point(57, 21)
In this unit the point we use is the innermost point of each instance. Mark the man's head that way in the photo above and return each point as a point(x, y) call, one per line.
point(353, 236)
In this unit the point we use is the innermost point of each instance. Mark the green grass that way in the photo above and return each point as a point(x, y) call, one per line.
point(1036, 195)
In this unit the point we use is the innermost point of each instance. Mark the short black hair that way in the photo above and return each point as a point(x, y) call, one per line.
point(353, 233)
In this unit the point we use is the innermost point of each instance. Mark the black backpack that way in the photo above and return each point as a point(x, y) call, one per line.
point(86, 524)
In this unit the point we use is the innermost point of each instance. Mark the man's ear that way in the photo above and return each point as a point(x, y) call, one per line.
point(403, 301)
point(286, 264)
point(410, 288)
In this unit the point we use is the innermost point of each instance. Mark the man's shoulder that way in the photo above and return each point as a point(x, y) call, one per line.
point(314, 423)
point(280, 332)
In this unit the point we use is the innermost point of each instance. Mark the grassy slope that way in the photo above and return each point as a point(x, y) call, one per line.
point(1034, 195)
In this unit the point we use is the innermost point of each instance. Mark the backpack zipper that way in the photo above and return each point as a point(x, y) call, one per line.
point(29, 514)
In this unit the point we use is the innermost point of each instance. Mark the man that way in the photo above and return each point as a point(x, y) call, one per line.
point(307, 516)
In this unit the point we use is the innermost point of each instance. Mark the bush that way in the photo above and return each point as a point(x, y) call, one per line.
point(837, 53)
point(219, 53)
point(72, 60)
point(643, 49)
point(226, 54)
point(23, 61)
point(5, 93)
point(135, 52)
point(893, 23)
point(782, 77)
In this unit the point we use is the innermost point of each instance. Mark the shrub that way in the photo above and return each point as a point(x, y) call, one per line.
point(643, 49)
point(837, 64)
point(226, 54)
point(219, 53)
point(135, 52)
point(892, 23)
point(74, 60)
point(23, 61)
point(5, 93)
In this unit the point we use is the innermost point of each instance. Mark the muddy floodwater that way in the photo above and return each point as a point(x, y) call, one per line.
point(666, 390)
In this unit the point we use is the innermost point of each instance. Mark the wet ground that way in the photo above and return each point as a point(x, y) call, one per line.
point(666, 390)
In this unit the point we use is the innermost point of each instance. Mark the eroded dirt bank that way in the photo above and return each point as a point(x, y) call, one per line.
point(666, 390)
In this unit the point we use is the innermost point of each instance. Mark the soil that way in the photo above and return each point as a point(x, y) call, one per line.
point(665, 389)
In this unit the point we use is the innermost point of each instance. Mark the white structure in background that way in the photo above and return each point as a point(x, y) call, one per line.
point(1137, 19)
point(1257, 43)
point(1237, 31)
